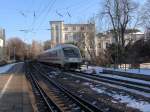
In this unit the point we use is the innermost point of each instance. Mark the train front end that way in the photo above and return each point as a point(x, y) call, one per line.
point(72, 57)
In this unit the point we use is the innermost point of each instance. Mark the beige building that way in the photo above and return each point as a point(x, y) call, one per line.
point(84, 34)
point(102, 40)
point(64, 33)
point(133, 37)
point(2, 42)
point(78, 33)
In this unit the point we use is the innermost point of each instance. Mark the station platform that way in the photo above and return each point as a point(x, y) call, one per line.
point(14, 93)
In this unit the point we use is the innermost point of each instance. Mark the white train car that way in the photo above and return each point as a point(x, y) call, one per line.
point(65, 55)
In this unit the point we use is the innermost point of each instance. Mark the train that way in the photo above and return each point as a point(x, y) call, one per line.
point(65, 56)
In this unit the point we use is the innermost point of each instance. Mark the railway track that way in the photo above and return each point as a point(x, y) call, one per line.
point(125, 83)
point(44, 103)
point(132, 88)
point(56, 96)
point(139, 88)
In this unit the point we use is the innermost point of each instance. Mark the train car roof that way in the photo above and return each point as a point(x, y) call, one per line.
point(65, 45)
point(60, 46)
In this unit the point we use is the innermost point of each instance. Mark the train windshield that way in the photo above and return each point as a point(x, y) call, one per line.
point(71, 52)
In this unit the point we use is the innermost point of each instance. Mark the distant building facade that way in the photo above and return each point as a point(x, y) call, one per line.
point(133, 37)
point(104, 39)
point(68, 33)
point(63, 33)
point(2, 42)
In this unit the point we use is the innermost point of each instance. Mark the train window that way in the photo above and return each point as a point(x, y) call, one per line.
point(71, 52)
point(53, 54)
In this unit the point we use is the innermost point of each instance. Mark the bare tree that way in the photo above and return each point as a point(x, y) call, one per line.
point(120, 13)
point(90, 45)
point(47, 45)
point(86, 43)
point(36, 48)
point(145, 16)
point(16, 48)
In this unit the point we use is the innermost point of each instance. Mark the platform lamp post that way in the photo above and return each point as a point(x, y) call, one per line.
point(9, 53)
point(14, 53)
point(27, 53)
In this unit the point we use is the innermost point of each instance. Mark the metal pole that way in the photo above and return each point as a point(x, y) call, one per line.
point(9, 52)
point(14, 53)
point(27, 54)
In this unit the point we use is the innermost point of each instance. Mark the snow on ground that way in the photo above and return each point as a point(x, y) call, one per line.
point(5, 68)
point(125, 78)
point(98, 70)
point(141, 105)
point(138, 71)
point(92, 69)
point(114, 86)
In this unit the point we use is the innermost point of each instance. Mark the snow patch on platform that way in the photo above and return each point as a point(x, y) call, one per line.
point(5, 68)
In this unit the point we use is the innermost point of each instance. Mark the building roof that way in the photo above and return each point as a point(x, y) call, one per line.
point(138, 33)
point(79, 24)
point(101, 35)
point(57, 21)
point(71, 24)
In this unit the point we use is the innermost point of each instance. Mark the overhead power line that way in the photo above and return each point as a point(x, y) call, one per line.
point(68, 14)
point(36, 17)
point(59, 14)
point(46, 14)
point(41, 12)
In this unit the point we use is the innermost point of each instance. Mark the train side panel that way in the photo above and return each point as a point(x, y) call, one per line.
point(65, 56)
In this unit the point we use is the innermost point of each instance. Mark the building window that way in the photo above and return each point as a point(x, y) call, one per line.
point(74, 28)
point(66, 28)
point(82, 28)
point(53, 28)
point(66, 36)
point(107, 45)
point(57, 39)
point(57, 34)
point(56, 27)
point(74, 36)
point(90, 28)
point(99, 45)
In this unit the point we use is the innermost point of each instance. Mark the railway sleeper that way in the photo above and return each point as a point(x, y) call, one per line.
point(77, 99)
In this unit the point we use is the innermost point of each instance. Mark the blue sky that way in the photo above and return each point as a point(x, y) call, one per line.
point(34, 16)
